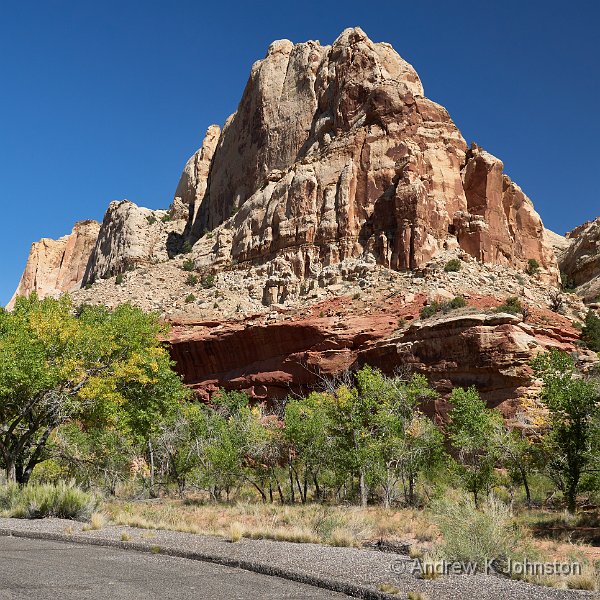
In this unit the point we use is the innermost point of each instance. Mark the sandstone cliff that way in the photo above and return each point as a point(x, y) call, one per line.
point(471, 346)
point(580, 260)
point(335, 152)
point(57, 266)
point(320, 218)
point(132, 235)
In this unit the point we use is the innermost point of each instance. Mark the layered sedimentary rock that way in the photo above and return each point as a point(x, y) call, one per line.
point(192, 183)
point(580, 260)
point(335, 152)
point(272, 360)
point(501, 225)
point(130, 236)
point(57, 266)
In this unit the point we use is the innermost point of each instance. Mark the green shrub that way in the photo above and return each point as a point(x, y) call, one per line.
point(452, 266)
point(430, 310)
point(119, 279)
point(567, 283)
point(191, 280)
point(188, 265)
point(591, 331)
point(533, 266)
point(187, 247)
point(151, 219)
point(190, 298)
point(511, 305)
point(476, 535)
point(207, 281)
point(166, 218)
point(436, 307)
point(88, 286)
point(36, 501)
point(458, 302)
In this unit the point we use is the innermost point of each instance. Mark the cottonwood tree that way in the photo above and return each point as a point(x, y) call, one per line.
point(474, 430)
point(572, 439)
point(92, 366)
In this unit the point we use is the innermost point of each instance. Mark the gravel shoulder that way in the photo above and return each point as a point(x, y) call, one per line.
point(351, 571)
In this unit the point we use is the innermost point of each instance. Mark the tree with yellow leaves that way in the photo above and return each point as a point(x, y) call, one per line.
point(92, 366)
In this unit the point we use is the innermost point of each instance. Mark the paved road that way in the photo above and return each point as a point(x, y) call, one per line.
point(43, 570)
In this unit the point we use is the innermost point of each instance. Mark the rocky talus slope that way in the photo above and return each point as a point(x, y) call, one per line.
point(306, 234)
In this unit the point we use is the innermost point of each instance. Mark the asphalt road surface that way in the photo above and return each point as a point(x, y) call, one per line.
point(45, 570)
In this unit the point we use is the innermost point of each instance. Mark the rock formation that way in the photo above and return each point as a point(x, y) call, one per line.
point(57, 266)
point(132, 235)
point(192, 183)
point(335, 152)
point(326, 210)
point(580, 260)
point(462, 348)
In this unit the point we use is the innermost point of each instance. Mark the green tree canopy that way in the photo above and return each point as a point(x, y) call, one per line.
point(94, 366)
point(571, 442)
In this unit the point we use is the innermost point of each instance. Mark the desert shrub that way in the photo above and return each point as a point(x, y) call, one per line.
point(476, 535)
point(591, 331)
point(458, 302)
point(435, 307)
point(567, 283)
point(452, 266)
point(119, 279)
point(556, 301)
point(186, 248)
point(511, 305)
point(191, 280)
point(88, 286)
point(188, 265)
point(190, 298)
point(36, 501)
point(207, 281)
point(430, 309)
point(533, 266)
point(151, 219)
point(166, 218)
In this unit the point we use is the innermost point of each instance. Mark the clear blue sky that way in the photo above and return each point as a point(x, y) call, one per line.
point(105, 100)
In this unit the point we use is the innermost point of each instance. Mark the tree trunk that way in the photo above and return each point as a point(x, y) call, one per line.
point(317, 488)
point(292, 491)
point(363, 489)
point(526, 486)
point(572, 497)
point(11, 472)
point(151, 457)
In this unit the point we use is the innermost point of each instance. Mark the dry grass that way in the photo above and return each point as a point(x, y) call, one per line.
point(236, 532)
point(417, 596)
point(310, 523)
point(97, 522)
point(388, 588)
point(349, 526)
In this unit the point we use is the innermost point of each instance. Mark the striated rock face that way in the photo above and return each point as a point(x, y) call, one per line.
point(580, 261)
point(192, 183)
point(132, 235)
point(271, 360)
point(501, 226)
point(334, 153)
point(57, 266)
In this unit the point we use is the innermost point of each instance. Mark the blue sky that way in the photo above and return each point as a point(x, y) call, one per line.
point(106, 100)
